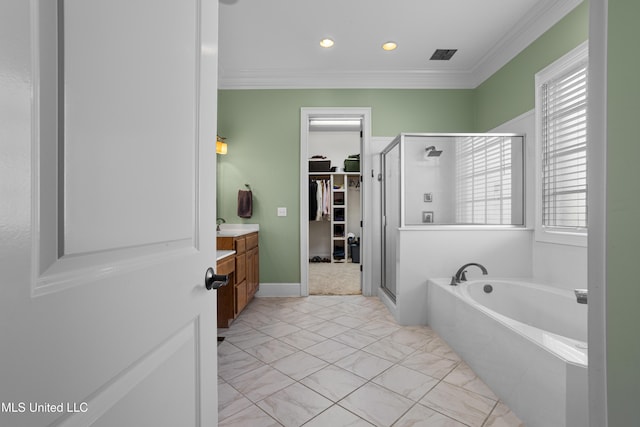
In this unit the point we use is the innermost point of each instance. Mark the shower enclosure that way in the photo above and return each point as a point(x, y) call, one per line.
point(448, 180)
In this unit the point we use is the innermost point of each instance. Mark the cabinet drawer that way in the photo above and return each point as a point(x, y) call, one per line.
point(240, 245)
point(226, 265)
point(252, 240)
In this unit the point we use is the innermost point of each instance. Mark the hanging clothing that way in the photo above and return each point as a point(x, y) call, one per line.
point(319, 202)
point(319, 199)
point(313, 200)
point(326, 199)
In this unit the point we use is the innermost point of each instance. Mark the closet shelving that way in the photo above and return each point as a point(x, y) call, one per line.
point(340, 182)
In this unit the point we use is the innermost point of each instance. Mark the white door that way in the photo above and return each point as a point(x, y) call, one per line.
point(107, 212)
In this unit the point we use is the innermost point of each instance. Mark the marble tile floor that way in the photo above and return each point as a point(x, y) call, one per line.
point(338, 361)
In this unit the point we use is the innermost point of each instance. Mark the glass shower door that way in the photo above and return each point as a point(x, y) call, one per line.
point(390, 215)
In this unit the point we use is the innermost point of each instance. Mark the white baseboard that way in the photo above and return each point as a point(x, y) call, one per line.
point(388, 302)
point(279, 290)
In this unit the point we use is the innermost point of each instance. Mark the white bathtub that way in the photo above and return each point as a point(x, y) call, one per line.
point(526, 341)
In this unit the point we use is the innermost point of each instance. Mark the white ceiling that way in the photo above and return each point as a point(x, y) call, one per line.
point(275, 43)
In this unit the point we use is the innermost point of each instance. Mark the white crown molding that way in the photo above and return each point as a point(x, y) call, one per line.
point(544, 15)
point(312, 79)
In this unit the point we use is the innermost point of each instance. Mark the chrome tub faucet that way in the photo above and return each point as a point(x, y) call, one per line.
point(462, 277)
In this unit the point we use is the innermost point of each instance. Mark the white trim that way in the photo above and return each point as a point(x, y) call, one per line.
point(362, 79)
point(539, 20)
point(559, 66)
point(543, 16)
point(389, 303)
point(597, 205)
point(365, 250)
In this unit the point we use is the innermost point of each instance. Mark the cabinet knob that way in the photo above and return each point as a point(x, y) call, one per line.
point(213, 280)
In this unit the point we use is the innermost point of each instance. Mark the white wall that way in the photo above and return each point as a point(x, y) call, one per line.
point(334, 145)
point(433, 175)
point(435, 253)
point(564, 266)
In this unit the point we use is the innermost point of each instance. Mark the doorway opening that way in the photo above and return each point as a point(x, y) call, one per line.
point(333, 257)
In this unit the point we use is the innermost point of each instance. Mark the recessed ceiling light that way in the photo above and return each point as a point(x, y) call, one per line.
point(326, 42)
point(389, 45)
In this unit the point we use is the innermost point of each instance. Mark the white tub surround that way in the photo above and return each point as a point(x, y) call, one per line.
point(439, 252)
point(526, 341)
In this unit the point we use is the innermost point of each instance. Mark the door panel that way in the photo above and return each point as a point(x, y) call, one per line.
point(108, 202)
point(112, 124)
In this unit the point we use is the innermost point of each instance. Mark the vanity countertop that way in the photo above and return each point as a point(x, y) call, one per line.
point(223, 254)
point(236, 230)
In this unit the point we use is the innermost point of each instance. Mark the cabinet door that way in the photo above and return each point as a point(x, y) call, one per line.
point(241, 296)
point(241, 267)
point(252, 271)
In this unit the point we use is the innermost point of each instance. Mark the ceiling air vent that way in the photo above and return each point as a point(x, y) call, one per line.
point(443, 54)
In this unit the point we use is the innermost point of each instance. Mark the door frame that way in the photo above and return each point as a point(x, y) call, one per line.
point(597, 206)
point(365, 195)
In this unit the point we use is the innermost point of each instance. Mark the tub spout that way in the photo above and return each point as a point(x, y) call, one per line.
point(461, 276)
point(581, 295)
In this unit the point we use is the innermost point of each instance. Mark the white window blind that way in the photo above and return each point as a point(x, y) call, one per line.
point(564, 150)
point(483, 181)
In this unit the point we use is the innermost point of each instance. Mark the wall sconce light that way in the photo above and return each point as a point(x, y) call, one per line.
point(221, 146)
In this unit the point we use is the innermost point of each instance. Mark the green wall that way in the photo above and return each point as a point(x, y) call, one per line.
point(623, 213)
point(262, 128)
point(510, 91)
point(263, 131)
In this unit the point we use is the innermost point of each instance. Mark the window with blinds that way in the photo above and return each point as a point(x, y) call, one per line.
point(483, 181)
point(563, 111)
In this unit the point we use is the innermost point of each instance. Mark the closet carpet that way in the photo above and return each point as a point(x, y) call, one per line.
point(327, 278)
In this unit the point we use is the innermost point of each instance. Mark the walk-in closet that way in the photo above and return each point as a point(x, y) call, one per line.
point(334, 207)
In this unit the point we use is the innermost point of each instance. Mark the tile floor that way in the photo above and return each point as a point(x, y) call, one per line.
point(343, 361)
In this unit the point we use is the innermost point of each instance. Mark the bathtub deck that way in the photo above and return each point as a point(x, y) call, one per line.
point(342, 360)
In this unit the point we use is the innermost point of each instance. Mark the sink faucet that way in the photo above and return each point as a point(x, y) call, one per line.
point(460, 274)
point(218, 222)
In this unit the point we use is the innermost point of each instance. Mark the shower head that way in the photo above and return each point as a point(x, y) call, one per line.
point(432, 152)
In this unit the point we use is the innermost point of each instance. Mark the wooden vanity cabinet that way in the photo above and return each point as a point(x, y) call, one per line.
point(246, 276)
point(253, 265)
point(226, 266)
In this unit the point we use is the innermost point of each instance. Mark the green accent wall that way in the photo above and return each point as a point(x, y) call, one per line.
point(262, 128)
point(510, 91)
point(623, 213)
